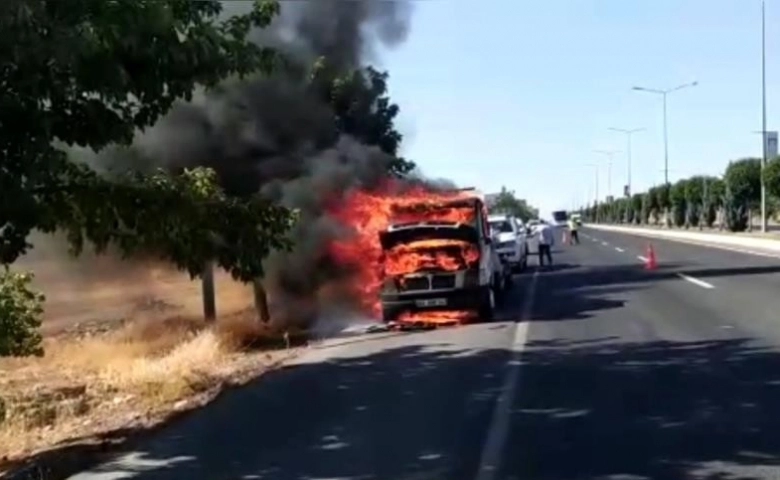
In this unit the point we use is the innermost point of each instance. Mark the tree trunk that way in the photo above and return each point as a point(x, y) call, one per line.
point(261, 301)
point(209, 299)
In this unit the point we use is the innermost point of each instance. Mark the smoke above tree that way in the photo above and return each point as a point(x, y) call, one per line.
point(304, 136)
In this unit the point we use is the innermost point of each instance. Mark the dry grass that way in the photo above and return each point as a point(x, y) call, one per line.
point(94, 385)
point(125, 350)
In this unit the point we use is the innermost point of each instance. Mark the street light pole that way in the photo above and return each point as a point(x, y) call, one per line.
point(763, 116)
point(664, 94)
point(609, 154)
point(596, 199)
point(628, 133)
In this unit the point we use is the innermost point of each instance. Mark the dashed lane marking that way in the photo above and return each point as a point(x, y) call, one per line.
point(695, 281)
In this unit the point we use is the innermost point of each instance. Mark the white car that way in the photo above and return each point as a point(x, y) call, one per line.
point(511, 240)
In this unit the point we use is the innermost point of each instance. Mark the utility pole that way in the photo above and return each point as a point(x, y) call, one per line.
point(763, 117)
point(628, 133)
point(664, 94)
point(609, 154)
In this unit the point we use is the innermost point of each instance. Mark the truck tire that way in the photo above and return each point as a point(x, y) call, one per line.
point(487, 304)
point(389, 315)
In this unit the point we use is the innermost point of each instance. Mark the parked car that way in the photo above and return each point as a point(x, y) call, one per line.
point(511, 240)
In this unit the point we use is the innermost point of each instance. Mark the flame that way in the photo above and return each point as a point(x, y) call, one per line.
point(429, 255)
point(367, 213)
point(451, 316)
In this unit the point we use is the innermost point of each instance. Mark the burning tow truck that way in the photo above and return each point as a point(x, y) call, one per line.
point(439, 262)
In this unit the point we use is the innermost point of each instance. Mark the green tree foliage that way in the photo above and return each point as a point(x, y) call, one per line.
point(772, 177)
point(677, 202)
point(696, 201)
point(637, 213)
point(20, 315)
point(507, 202)
point(91, 74)
point(743, 179)
point(363, 109)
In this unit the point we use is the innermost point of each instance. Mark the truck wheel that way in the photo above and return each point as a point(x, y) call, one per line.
point(389, 315)
point(487, 305)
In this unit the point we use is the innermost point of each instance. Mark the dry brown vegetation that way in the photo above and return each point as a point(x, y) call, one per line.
point(125, 346)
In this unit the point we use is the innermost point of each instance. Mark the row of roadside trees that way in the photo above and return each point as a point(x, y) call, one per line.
point(730, 201)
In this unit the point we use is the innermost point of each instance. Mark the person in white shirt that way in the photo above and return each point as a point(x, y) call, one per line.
point(546, 241)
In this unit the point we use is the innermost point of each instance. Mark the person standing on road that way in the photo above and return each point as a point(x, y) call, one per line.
point(574, 238)
point(546, 241)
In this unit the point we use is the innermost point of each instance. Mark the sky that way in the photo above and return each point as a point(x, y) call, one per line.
point(519, 93)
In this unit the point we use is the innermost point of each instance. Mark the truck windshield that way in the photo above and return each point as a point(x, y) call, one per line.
point(501, 226)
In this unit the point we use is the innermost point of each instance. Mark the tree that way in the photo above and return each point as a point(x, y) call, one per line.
point(636, 208)
point(677, 202)
point(507, 202)
point(92, 73)
point(694, 200)
point(772, 177)
point(363, 109)
point(743, 189)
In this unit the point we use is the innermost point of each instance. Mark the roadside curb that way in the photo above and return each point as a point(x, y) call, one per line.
point(759, 246)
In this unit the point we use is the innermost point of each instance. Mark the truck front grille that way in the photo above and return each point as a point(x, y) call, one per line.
point(442, 281)
point(416, 283)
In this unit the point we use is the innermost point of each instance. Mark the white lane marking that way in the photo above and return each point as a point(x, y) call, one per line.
point(605, 244)
point(619, 249)
point(498, 429)
point(695, 281)
point(640, 257)
point(712, 245)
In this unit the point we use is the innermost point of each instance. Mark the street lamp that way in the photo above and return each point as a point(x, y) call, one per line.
point(609, 154)
point(596, 196)
point(664, 94)
point(628, 133)
point(763, 115)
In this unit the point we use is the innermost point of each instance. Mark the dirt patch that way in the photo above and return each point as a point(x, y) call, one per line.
point(89, 392)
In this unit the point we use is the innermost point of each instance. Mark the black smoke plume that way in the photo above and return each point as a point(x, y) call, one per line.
point(276, 136)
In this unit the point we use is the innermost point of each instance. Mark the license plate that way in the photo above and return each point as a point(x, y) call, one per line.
point(433, 302)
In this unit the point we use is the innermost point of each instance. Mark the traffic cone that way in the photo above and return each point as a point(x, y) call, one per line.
point(650, 262)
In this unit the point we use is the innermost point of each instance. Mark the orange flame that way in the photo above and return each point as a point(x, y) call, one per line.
point(366, 214)
point(429, 255)
point(452, 316)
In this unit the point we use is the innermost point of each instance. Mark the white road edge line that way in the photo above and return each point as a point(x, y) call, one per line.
point(498, 429)
point(695, 281)
point(708, 245)
point(619, 249)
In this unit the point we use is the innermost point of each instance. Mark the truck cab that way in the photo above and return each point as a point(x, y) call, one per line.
point(436, 261)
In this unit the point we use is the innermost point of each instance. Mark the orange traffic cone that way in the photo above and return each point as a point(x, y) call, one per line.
point(650, 261)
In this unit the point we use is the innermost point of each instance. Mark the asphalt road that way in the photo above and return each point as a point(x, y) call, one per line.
point(596, 369)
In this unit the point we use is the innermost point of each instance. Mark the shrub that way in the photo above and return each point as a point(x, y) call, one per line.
point(21, 310)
